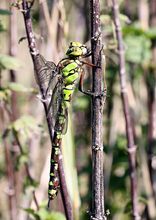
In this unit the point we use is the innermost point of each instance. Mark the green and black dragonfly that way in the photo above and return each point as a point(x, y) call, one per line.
point(62, 80)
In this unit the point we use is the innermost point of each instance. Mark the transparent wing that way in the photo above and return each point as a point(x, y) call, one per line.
point(46, 70)
point(49, 75)
point(58, 110)
point(66, 122)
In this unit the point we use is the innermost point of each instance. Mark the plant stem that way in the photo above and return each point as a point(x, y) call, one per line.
point(151, 89)
point(14, 105)
point(98, 211)
point(129, 130)
point(13, 52)
point(11, 183)
point(26, 166)
point(34, 52)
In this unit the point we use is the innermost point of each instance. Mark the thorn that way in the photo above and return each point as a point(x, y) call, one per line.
point(41, 99)
point(35, 52)
point(21, 39)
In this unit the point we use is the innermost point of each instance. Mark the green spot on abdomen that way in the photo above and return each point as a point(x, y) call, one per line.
point(50, 183)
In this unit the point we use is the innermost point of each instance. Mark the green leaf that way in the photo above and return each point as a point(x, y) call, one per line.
point(128, 207)
point(133, 30)
point(45, 215)
point(26, 123)
point(5, 12)
point(31, 183)
point(24, 128)
point(56, 216)
point(29, 210)
point(21, 159)
point(81, 103)
point(142, 200)
point(136, 30)
point(138, 49)
point(151, 33)
point(17, 87)
point(124, 18)
point(32, 212)
point(2, 29)
point(5, 94)
point(9, 62)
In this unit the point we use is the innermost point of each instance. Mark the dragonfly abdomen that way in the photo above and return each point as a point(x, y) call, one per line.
point(54, 179)
point(56, 148)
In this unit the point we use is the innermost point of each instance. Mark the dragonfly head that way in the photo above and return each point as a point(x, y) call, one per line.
point(77, 49)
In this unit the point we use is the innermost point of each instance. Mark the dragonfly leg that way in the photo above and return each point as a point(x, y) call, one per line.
point(80, 87)
point(95, 94)
point(89, 64)
point(90, 93)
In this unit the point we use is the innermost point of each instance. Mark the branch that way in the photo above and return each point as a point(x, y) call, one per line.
point(129, 130)
point(26, 166)
point(151, 89)
point(98, 211)
point(13, 52)
point(34, 52)
point(11, 183)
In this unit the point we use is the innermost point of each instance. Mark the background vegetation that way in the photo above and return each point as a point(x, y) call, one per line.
point(24, 141)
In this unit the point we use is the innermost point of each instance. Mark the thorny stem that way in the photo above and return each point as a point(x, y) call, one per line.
point(129, 129)
point(34, 52)
point(98, 211)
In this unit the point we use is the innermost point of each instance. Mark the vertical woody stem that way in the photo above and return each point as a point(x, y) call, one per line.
point(125, 103)
point(34, 52)
point(98, 211)
point(152, 102)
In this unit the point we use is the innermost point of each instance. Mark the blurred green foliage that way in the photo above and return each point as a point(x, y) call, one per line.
point(43, 214)
point(140, 70)
point(10, 63)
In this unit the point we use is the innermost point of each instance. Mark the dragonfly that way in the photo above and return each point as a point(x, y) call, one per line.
point(61, 81)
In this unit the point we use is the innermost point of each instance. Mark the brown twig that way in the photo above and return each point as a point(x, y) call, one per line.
point(11, 183)
point(14, 107)
point(129, 129)
point(34, 52)
point(13, 52)
point(26, 167)
point(9, 168)
point(12, 192)
point(98, 211)
point(151, 89)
